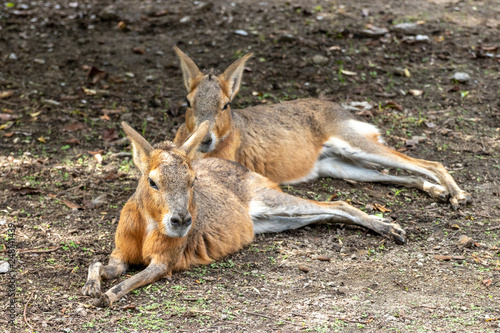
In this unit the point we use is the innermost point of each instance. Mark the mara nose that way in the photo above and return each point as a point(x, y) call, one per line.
point(180, 219)
point(207, 141)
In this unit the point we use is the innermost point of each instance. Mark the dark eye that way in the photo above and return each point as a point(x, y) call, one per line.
point(226, 106)
point(187, 102)
point(152, 184)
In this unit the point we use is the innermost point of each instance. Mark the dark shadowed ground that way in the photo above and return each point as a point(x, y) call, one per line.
point(71, 71)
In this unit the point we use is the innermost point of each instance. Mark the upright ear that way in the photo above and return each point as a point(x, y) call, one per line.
point(189, 69)
point(195, 139)
point(142, 148)
point(232, 75)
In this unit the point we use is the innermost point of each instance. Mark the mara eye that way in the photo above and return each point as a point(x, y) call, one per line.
point(187, 102)
point(226, 106)
point(152, 184)
point(195, 179)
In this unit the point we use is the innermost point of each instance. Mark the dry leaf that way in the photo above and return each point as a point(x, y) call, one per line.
point(323, 258)
point(89, 92)
point(487, 282)
point(109, 134)
point(333, 196)
point(35, 114)
point(112, 111)
point(25, 190)
point(366, 113)
point(97, 155)
point(8, 116)
point(440, 257)
point(415, 92)
point(407, 72)
point(8, 135)
point(71, 205)
point(6, 125)
point(74, 127)
point(128, 307)
point(393, 105)
point(139, 50)
point(381, 208)
point(42, 139)
point(6, 93)
point(304, 269)
point(489, 48)
point(111, 176)
point(94, 75)
point(74, 141)
point(349, 73)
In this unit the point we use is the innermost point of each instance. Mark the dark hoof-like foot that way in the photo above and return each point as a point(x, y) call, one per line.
point(388, 229)
point(460, 199)
point(92, 288)
point(102, 302)
point(438, 192)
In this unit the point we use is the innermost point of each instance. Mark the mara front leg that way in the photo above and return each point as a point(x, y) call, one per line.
point(275, 211)
point(97, 271)
point(150, 274)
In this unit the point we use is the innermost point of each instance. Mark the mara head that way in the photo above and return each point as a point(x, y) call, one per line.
point(165, 190)
point(209, 98)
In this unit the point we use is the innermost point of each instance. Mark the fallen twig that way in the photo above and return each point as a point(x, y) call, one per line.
point(493, 228)
point(8, 103)
point(24, 314)
point(370, 319)
point(51, 249)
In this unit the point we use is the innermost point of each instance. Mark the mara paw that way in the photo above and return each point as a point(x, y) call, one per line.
point(437, 192)
point(92, 288)
point(460, 199)
point(102, 302)
point(390, 230)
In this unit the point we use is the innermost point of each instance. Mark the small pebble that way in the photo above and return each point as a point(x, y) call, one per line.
point(461, 77)
point(4, 266)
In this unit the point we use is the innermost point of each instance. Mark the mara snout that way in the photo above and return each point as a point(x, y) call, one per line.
point(301, 140)
point(188, 212)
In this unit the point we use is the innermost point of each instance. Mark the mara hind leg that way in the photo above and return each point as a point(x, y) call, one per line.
point(97, 272)
point(338, 167)
point(361, 144)
point(274, 211)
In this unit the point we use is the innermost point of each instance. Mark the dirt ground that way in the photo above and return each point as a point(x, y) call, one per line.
point(71, 71)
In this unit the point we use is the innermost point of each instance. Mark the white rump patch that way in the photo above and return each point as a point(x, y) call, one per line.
point(362, 128)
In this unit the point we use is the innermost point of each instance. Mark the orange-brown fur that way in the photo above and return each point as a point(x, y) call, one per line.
point(187, 213)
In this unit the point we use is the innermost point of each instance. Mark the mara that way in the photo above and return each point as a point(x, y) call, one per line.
point(298, 141)
point(186, 213)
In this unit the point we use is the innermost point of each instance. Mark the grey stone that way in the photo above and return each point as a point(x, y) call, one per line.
point(4, 266)
point(461, 77)
point(319, 59)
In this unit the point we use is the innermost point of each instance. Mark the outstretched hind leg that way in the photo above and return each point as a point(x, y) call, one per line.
point(337, 167)
point(361, 143)
point(275, 211)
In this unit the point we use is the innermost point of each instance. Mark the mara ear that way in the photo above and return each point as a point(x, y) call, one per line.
point(142, 148)
point(232, 75)
point(195, 139)
point(189, 69)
